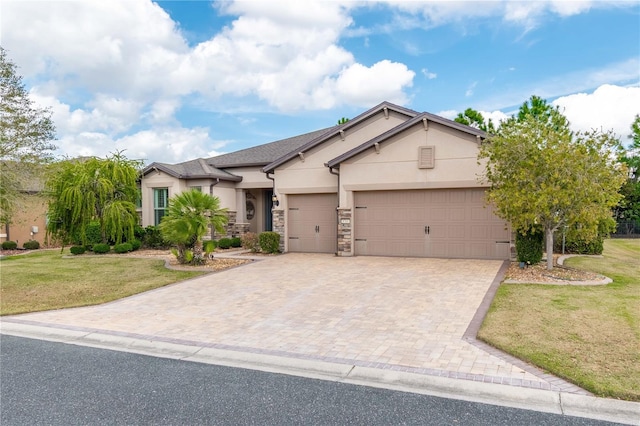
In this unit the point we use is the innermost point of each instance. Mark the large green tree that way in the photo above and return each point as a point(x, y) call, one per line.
point(628, 210)
point(26, 132)
point(188, 217)
point(473, 118)
point(93, 189)
point(545, 177)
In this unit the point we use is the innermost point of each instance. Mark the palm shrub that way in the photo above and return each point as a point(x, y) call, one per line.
point(188, 217)
point(209, 246)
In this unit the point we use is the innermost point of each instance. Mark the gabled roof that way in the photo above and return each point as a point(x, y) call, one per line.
point(193, 169)
point(418, 119)
point(262, 155)
point(336, 130)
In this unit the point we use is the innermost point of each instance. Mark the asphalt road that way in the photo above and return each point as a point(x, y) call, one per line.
point(60, 384)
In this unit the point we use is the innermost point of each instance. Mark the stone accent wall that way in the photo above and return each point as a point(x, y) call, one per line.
point(278, 225)
point(240, 229)
point(345, 224)
point(231, 224)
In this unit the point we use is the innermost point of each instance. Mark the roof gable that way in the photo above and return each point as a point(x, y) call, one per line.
point(384, 106)
point(422, 119)
point(193, 169)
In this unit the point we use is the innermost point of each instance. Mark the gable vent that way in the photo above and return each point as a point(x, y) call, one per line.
point(426, 157)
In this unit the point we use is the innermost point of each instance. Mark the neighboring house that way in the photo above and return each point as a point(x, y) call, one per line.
point(29, 218)
point(390, 182)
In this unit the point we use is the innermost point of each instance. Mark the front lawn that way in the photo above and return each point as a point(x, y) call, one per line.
point(46, 279)
point(587, 335)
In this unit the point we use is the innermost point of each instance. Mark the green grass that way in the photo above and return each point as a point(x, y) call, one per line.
point(587, 335)
point(47, 279)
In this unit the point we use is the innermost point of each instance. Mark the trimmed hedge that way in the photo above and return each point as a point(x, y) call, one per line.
point(579, 246)
point(530, 246)
point(269, 242)
point(236, 242)
point(101, 248)
point(77, 250)
point(135, 244)
point(224, 243)
point(31, 245)
point(123, 248)
point(9, 245)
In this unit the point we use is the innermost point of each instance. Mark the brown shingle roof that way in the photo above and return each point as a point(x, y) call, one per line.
point(264, 154)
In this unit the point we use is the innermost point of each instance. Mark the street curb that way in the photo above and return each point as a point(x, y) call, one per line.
point(625, 412)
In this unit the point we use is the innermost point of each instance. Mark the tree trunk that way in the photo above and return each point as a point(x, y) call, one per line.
point(197, 252)
point(549, 248)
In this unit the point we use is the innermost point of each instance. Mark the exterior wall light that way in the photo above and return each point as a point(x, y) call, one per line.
point(274, 199)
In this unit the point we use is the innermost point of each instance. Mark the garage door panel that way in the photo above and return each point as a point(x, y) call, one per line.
point(459, 224)
point(312, 223)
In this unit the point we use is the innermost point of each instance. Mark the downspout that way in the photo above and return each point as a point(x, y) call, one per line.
point(273, 191)
point(337, 173)
point(213, 229)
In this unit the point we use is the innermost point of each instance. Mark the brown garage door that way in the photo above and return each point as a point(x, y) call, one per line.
point(450, 223)
point(312, 223)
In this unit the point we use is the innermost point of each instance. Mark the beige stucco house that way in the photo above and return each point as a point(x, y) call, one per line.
point(391, 182)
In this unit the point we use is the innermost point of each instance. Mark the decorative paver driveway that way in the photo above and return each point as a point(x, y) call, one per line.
point(399, 313)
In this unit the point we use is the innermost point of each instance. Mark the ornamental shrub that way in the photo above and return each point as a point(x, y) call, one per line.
point(135, 245)
point(9, 245)
point(269, 242)
point(31, 245)
point(153, 238)
point(530, 246)
point(575, 245)
point(101, 248)
point(250, 241)
point(224, 243)
point(236, 242)
point(77, 250)
point(122, 248)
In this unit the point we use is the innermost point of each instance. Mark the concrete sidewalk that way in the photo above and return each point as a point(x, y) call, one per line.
point(377, 321)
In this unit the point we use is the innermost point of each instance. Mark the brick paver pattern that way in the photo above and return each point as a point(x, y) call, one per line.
point(401, 313)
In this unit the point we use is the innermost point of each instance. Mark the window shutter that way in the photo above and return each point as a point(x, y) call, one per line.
point(426, 157)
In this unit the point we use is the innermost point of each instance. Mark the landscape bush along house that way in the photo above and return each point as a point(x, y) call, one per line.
point(391, 182)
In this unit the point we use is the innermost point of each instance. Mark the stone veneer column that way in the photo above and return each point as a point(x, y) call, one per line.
point(278, 225)
point(231, 224)
point(344, 232)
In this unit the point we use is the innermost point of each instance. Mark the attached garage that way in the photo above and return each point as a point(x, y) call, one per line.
point(448, 223)
point(312, 223)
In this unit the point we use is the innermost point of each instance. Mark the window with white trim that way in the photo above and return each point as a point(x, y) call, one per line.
point(160, 203)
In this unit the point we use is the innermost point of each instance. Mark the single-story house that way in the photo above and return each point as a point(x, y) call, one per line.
point(389, 182)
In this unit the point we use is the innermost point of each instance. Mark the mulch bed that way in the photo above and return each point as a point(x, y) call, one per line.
point(558, 275)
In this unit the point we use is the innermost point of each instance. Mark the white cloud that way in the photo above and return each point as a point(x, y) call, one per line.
point(609, 107)
point(363, 86)
point(428, 74)
point(470, 89)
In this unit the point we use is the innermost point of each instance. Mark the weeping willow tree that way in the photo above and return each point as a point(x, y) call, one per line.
point(93, 189)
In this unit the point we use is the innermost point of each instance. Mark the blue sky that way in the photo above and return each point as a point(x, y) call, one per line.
point(170, 81)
